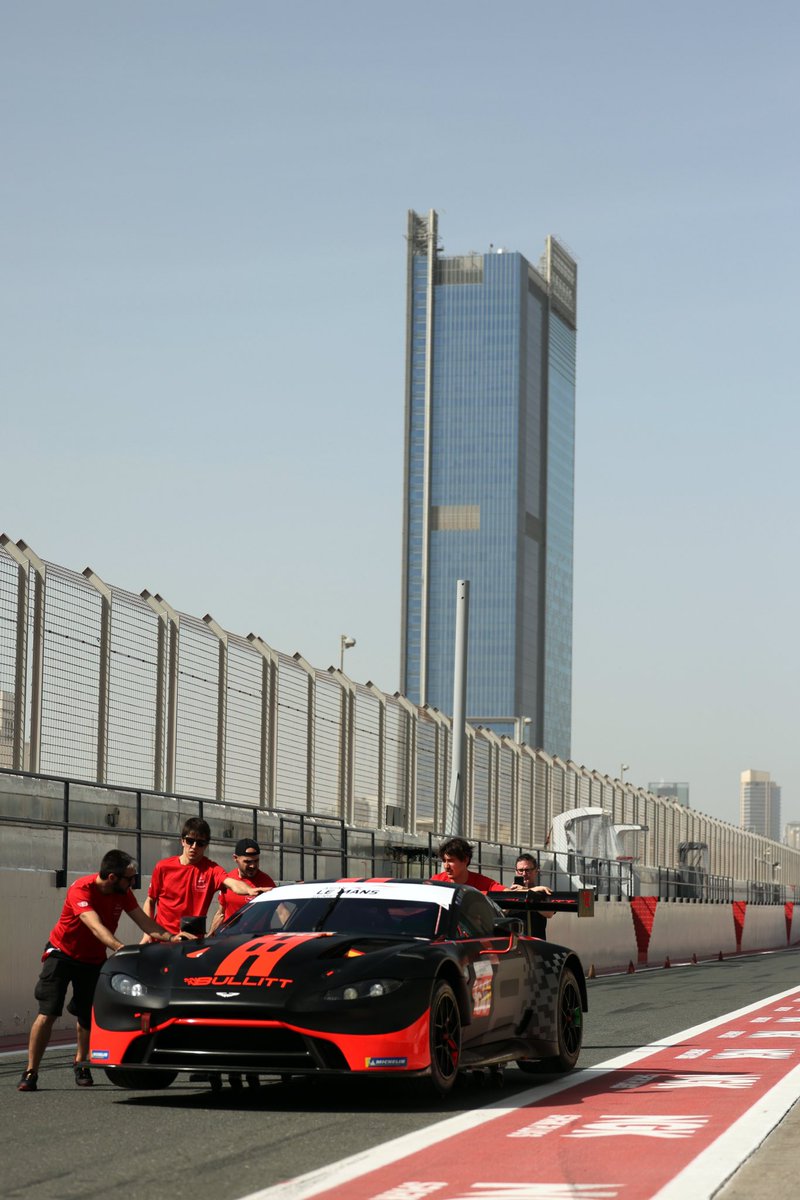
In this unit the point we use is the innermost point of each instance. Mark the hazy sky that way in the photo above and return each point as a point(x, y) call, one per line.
point(203, 307)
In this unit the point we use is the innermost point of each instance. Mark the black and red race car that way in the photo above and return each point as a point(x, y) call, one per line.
point(369, 977)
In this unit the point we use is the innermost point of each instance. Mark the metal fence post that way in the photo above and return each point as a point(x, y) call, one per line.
point(103, 684)
point(20, 652)
point(269, 723)
point(222, 701)
point(37, 670)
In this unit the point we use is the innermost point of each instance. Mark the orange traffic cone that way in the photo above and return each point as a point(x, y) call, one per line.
point(694, 960)
point(667, 963)
point(631, 969)
point(591, 973)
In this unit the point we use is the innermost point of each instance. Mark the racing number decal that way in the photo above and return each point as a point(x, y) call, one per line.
point(256, 959)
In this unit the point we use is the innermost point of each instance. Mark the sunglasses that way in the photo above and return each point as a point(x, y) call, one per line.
point(190, 841)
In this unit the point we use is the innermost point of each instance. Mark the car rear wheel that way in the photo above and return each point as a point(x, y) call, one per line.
point(130, 1077)
point(445, 1038)
point(569, 1017)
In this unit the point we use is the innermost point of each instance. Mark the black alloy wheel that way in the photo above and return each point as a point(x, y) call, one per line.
point(569, 1017)
point(445, 1038)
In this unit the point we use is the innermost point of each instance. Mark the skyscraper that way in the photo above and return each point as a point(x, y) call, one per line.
point(760, 804)
point(671, 791)
point(489, 482)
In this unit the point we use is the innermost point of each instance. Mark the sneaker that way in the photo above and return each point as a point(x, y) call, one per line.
point(28, 1082)
point(83, 1076)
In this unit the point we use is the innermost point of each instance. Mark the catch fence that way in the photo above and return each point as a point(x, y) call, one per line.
point(103, 685)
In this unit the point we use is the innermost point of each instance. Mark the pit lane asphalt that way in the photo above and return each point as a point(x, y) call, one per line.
point(64, 1142)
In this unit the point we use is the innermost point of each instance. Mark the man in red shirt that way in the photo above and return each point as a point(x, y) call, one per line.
point(456, 855)
point(247, 856)
point(185, 885)
point(75, 952)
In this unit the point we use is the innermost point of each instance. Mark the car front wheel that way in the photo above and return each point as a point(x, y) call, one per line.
point(445, 1038)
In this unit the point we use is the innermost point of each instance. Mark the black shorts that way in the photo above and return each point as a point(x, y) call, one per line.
point(58, 972)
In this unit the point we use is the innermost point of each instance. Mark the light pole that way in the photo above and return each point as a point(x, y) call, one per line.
point(345, 643)
point(520, 725)
point(623, 767)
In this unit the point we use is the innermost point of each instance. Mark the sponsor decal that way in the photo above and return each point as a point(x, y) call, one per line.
point(104, 1054)
point(227, 995)
point(482, 989)
point(385, 1062)
point(82, 904)
point(219, 981)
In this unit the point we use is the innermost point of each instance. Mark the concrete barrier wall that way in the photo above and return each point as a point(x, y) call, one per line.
point(617, 935)
point(31, 905)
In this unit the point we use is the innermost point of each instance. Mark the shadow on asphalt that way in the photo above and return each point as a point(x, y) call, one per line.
point(328, 1096)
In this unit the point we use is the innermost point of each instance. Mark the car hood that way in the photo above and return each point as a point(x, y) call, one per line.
point(267, 961)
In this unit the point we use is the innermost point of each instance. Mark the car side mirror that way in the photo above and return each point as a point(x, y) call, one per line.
point(504, 926)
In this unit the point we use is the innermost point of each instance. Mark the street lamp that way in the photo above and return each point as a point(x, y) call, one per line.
point(773, 866)
point(345, 643)
point(623, 767)
point(520, 724)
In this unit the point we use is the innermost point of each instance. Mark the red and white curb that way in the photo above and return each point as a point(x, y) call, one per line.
point(676, 1127)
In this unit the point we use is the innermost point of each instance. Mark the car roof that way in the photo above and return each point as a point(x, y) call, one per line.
point(418, 891)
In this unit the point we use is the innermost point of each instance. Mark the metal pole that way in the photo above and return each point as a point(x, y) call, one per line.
point(455, 825)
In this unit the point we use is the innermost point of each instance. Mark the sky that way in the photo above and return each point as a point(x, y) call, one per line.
point(203, 324)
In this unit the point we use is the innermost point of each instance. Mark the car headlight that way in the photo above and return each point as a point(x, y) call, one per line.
point(365, 989)
point(127, 986)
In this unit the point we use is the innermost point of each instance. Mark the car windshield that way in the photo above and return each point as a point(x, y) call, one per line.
point(337, 914)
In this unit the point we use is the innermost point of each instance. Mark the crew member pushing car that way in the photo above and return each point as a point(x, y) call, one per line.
point(75, 952)
point(247, 856)
point(456, 855)
point(184, 885)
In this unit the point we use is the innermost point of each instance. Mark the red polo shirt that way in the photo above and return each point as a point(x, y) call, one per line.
point(72, 936)
point(229, 901)
point(482, 882)
point(184, 889)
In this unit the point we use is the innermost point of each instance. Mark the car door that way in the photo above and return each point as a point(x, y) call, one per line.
point(498, 968)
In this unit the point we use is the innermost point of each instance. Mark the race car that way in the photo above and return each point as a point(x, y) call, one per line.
point(357, 977)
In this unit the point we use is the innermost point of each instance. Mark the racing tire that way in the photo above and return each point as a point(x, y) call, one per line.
point(445, 1038)
point(131, 1078)
point(569, 1016)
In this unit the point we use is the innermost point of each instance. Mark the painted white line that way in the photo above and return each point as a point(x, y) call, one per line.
point(23, 1050)
point(335, 1174)
point(706, 1174)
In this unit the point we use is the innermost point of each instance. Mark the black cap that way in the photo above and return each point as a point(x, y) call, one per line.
point(247, 846)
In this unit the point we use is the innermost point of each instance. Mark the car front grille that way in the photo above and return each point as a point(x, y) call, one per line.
point(236, 1048)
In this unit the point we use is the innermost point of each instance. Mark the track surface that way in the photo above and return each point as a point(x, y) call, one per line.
point(63, 1142)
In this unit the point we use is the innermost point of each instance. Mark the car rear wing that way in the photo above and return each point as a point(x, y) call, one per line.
point(517, 904)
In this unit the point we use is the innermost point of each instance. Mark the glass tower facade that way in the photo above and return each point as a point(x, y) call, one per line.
point(760, 804)
point(489, 483)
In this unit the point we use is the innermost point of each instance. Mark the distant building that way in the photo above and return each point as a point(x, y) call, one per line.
point(791, 835)
point(671, 791)
point(489, 483)
point(760, 804)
